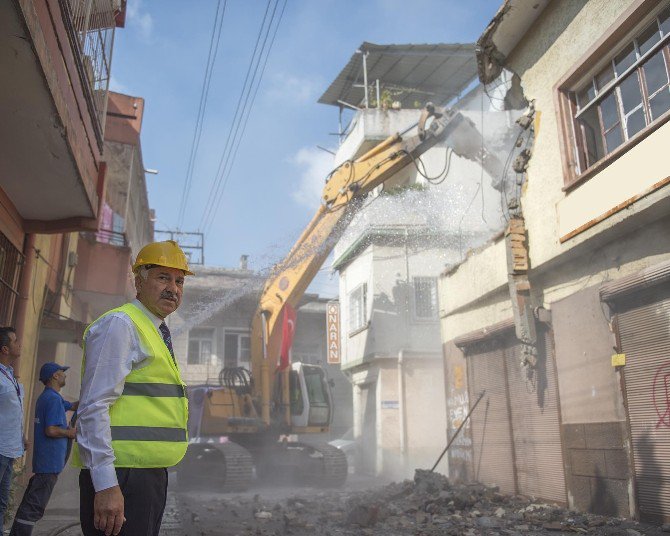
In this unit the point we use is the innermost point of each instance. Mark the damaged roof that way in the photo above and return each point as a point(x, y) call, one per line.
point(423, 73)
point(506, 29)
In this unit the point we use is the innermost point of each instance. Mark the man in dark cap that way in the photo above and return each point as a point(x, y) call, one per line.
point(52, 434)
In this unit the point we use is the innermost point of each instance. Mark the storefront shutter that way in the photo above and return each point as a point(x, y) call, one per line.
point(644, 330)
point(493, 450)
point(535, 422)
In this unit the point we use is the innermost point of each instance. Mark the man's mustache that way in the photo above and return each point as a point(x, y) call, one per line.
point(167, 295)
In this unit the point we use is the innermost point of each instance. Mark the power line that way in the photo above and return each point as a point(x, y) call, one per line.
point(244, 119)
point(202, 106)
point(245, 90)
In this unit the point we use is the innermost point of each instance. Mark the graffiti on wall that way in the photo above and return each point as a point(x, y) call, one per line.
point(458, 405)
point(661, 395)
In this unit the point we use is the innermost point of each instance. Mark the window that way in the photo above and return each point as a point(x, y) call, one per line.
point(10, 272)
point(236, 349)
point(425, 298)
point(200, 344)
point(358, 307)
point(610, 105)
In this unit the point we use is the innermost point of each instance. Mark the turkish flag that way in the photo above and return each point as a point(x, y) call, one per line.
point(287, 333)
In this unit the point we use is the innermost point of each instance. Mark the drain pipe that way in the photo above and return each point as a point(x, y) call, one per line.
point(401, 405)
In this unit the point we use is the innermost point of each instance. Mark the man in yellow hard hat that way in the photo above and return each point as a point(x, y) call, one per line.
point(133, 409)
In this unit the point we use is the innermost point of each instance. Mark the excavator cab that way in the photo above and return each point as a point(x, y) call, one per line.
point(311, 400)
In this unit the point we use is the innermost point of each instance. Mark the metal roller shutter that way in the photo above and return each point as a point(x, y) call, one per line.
point(493, 450)
point(535, 422)
point(644, 331)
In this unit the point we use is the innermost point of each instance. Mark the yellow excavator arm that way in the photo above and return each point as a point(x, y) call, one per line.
point(343, 193)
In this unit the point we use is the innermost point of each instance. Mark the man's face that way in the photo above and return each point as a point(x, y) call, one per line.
point(59, 377)
point(161, 291)
point(13, 349)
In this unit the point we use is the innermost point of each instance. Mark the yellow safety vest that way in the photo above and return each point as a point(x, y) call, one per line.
point(149, 419)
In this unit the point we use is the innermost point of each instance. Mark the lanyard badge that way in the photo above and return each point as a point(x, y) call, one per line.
point(14, 383)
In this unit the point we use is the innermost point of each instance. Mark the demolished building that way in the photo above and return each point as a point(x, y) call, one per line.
point(563, 319)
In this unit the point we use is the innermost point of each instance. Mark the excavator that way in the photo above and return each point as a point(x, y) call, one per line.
point(244, 425)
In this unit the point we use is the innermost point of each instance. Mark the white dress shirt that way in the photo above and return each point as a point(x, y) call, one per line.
point(11, 414)
point(113, 349)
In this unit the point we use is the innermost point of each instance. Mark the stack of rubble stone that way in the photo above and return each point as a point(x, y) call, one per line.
point(428, 505)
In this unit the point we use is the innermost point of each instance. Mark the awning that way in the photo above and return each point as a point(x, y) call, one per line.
point(412, 73)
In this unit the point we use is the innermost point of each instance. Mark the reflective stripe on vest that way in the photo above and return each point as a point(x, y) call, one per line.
point(147, 433)
point(152, 407)
point(152, 389)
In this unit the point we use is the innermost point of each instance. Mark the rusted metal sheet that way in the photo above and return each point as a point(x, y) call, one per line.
point(535, 421)
point(644, 333)
point(493, 449)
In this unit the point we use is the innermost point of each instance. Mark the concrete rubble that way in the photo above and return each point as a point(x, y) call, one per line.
point(428, 505)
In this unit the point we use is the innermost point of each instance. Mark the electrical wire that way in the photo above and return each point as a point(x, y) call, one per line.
point(215, 184)
point(202, 106)
point(248, 113)
point(235, 136)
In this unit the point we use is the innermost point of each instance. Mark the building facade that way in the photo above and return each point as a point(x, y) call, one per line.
point(53, 171)
point(563, 319)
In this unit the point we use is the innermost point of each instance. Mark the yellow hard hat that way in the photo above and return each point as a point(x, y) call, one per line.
point(167, 254)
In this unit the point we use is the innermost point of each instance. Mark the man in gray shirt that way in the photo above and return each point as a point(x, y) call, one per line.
point(12, 442)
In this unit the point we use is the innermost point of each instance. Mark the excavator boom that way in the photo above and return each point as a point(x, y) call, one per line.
point(343, 193)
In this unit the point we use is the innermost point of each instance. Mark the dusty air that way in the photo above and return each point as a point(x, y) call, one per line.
point(291, 268)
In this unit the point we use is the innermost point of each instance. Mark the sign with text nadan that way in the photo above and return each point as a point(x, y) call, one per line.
point(333, 332)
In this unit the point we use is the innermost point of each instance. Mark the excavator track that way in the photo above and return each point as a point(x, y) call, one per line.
point(330, 471)
point(239, 466)
point(221, 466)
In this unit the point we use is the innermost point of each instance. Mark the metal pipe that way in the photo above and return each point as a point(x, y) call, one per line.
point(481, 395)
point(379, 104)
point(365, 77)
point(402, 406)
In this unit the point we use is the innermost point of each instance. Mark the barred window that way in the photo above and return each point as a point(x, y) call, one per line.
point(11, 261)
point(630, 92)
point(200, 345)
point(358, 307)
point(425, 298)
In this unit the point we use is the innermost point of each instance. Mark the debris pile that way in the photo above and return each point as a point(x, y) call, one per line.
point(428, 505)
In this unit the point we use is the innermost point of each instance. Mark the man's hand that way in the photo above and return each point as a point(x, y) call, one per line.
point(74, 406)
point(108, 511)
point(71, 433)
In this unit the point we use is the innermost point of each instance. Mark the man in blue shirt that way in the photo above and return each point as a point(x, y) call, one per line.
point(12, 443)
point(51, 442)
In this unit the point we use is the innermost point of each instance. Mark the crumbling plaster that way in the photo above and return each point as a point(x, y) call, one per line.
point(562, 34)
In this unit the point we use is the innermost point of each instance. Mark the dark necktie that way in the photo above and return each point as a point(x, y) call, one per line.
point(167, 339)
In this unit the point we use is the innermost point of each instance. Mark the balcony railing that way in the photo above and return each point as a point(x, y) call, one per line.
point(90, 25)
point(107, 236)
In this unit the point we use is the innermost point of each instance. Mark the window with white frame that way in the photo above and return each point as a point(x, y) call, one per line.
point(236, 349)
point(425, 298)
point(200, 346)
point(630, 92)
point(358, 307)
